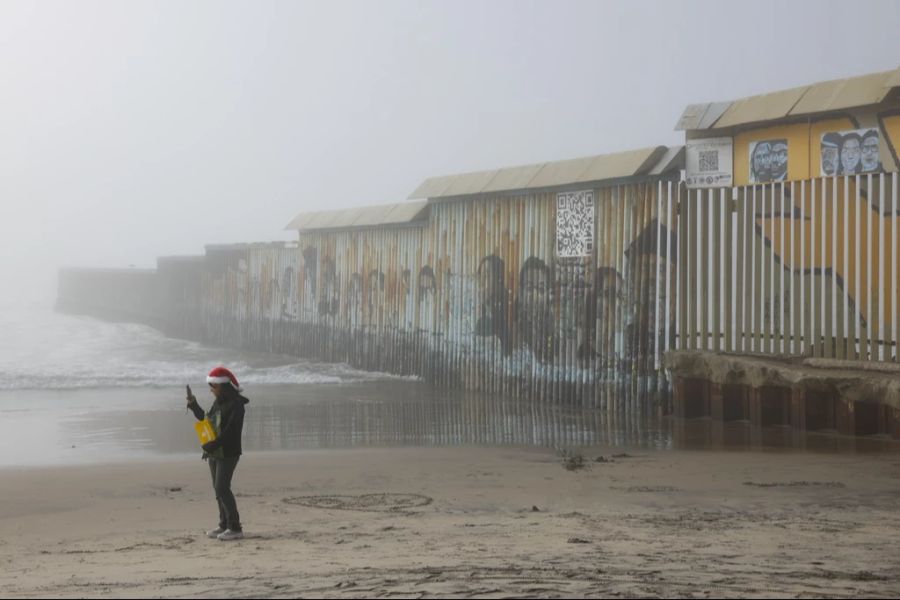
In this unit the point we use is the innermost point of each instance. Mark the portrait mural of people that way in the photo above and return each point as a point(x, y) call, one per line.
point(830, 153)
point(575, 308)
point(851, 152)
point(768, 161)
point(493, 301)
point(870, 157)
point(534, 309)
point(608, 292)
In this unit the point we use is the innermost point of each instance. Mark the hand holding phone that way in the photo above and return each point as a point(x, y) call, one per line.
point(190, 395)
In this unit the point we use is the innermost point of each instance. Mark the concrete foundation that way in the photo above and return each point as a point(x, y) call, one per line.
point(845, 397)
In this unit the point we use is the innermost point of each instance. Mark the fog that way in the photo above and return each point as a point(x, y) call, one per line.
point(131, 130)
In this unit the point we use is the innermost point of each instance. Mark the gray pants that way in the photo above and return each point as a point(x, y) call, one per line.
point(222, 469)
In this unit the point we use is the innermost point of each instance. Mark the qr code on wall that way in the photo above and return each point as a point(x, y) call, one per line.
point(575, 224)
point(709, 160)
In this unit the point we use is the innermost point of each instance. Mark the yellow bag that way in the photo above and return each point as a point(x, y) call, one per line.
point(205, 431)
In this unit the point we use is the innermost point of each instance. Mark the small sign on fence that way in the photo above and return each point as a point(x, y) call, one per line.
point(708, 163)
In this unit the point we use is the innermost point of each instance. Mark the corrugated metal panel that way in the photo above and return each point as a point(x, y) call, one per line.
point(469, 183)
point(512, 178)
point(845, 93)
point(820, 97)
point(544, 175)
point(701, 116)
point(893, 79)
point(561, 172)
point(671, 160)
point(433, 187)
point(765, 107)
point(624, 164)
point(366, 216)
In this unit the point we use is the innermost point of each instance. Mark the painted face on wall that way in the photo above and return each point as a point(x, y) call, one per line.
point(779, 161)
point(869, 154)
point(534, 301)
point(535, 292)
point(829, 159)
point(850, 155)
point(762, 162)
point(490, 280)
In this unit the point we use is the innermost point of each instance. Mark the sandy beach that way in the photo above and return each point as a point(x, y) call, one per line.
point(461, 522)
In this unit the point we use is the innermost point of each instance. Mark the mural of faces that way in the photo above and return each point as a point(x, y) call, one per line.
point(768, 161)
point(535, 300)
point(870, 158)
point(492, 300)
point(830, 153)
point(851, 152)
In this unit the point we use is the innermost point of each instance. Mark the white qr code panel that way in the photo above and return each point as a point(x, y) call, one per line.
point(709, 160)
point(575, 224)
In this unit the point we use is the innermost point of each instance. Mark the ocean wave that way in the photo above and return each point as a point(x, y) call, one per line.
point(42, 350)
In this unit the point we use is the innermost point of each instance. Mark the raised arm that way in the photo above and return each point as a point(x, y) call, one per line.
point(197, 410)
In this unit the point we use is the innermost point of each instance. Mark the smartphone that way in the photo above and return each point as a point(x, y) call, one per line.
point(188, 388)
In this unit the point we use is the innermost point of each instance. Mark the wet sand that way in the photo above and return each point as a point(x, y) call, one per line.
point(461, 521)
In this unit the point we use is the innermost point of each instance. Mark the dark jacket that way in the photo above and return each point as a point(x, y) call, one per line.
point(229, 415)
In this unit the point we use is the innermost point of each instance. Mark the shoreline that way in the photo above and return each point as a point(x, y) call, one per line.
point(459, 521)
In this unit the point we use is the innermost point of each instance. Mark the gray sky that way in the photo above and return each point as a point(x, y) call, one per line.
point(130, 130)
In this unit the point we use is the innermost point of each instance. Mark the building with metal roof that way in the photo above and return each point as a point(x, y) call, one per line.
point(803, 101)
point(800, 128)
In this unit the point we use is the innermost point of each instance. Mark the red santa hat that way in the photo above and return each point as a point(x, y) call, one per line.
point(223, 375)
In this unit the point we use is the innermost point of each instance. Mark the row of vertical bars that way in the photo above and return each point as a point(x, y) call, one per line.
point(803, 268)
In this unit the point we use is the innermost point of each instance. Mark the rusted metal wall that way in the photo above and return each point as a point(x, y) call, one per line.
point(476, 296)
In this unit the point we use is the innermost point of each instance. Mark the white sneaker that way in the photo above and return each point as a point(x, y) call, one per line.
point(214, 533)
point(229, 535)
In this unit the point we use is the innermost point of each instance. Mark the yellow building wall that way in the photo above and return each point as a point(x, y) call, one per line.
point(890, 131)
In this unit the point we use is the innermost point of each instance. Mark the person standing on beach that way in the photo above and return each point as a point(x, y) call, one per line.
point(223, 453)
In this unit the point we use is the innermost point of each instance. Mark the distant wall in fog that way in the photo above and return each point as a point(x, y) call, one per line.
point(121, 294)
